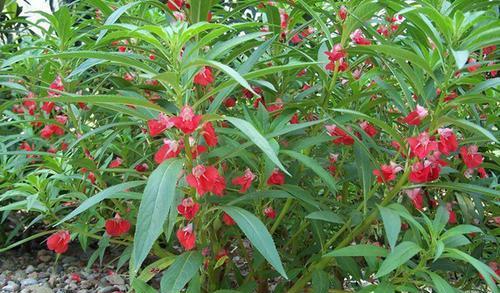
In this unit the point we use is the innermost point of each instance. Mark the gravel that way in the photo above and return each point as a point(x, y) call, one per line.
point(37, 272)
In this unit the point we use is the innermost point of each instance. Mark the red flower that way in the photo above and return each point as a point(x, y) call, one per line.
point(422, 145)
point(382, 30)
point(141, 167)
point(387, 172)
point(204, 77)
point(452, 215)
point(451, 96)
point(471, 157)
point(276, 178)
point(230, 102)
point(25, 146)
point(370, 130)
point(58, 242)
point(174, 5)
point(228, 220)
point(245, 181)
point(336, 53)
point(206, 179)
point(475, 66)
point(358, 38)
point(426, 171)
point(157, 126)
point(416, 116)
point(187, 121)
point(341, 137)
point(270, 212)
point(340, 67)
point(47, 107)
point(186, 237)
point(56, 85)
point(295, 39)
point(152, 57)
point(283, 19)
point(116, 163)
point(209, 134)
point(416, 197)
point(188, 208)
point(447, 141)
point(482, 173)
point(343, 12)
point(117, 226)
point(276, 106)
point(295, 119)
point(30, 104)
point(169, 149)
point(488, 50)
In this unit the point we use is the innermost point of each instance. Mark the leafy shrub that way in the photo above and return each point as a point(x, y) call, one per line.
point(260, 145)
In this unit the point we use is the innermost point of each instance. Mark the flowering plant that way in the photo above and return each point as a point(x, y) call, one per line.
point(260, 145)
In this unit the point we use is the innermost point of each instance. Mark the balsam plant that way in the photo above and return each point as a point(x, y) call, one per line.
point(258, 146)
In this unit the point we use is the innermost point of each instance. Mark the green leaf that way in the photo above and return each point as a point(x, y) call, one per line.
point(181, 272)
point(228, 70)
point(150, 271)
point(358, 250)
point(326, 216)
point(392, 225)
point(461, 187)
point(460, 230)
point(440, 220)
point(257, 138)
point(315, 167)
point(141, 286)
point(105, 194)
point(488, 274)
point(155, 205)
point(320, 281)
point(472, 127)
point(440, 284)
point(199, 10)
point(399, 255)
point(258, 235)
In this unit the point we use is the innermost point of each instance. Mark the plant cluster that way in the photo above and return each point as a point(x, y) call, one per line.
point(257, 146)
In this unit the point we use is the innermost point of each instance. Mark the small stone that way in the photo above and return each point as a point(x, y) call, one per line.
point(52, 280)
point(85, 284)
point(82, 291)
point(19, 275)
point(115, 279)
point(29, 269)
point(107, 289)
point(3, 280)
point(11, 286)
point(37, 289)
point(28, 282)
point(44, 255)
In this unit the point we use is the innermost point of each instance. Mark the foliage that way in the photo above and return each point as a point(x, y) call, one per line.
point(258, 145)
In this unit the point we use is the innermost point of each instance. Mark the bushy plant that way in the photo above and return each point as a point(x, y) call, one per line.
point(260, 145)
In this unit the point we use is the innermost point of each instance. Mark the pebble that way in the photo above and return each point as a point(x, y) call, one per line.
point(37, 289)
point(29, 269)
point(28, 282)
point(115, 279)
point(11, 286)
point(107, 289)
